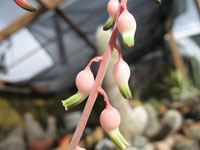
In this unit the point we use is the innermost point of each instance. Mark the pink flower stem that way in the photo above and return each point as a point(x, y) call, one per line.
point(119, 50)
point(98, 81)
point(102, 92)
point(124, 4)
point(95, 59)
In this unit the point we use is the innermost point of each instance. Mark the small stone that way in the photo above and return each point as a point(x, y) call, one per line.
point(165, 144)
point(94, 137)
point(193, 132)
point(14, 141)
point(182, 143)
point(105, 144)
point(146, 147)
point(71, 120)
point(139, 141)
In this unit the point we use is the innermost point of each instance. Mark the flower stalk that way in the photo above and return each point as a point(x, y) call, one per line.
point(95, 59)
point(102, 92)
point(96, 88)
point(94, 92)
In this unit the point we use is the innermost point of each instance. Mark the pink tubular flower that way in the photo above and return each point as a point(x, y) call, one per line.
point(25, 5)
point(121, 73)
point(127, 28)
point(84, 83)
point(112, 8)
point(110, 120)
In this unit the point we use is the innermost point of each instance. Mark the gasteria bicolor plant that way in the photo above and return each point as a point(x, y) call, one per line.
point(110, 118)
point(86, 85)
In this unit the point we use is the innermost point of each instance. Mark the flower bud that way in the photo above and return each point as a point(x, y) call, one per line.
point(157, 1)
point(110, 120)
point(112, 8)
point(127, 27)
point(25, 5)
point(84, 83)
point(121, 73)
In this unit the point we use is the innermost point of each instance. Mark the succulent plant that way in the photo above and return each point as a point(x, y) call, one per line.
point(152, 124)
point(140, 117)
point(171, 124)
point(173, 119)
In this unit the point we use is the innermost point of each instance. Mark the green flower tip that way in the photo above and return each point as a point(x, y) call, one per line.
point(128, 41)
point(118, 139)
point(125, 91)
point(157, 1)
point(109, 23)
point(25, 5)
point(73, 100)
point(31, 9)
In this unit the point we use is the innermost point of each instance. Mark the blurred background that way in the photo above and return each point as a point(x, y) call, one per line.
point(41, 53)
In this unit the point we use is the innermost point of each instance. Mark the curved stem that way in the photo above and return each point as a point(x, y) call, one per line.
point(119, 50)
point(124, 4)
point(102, 92)
point(95, 59)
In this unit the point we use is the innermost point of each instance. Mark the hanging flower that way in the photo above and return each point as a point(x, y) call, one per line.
point(127, 28)
point(84, 83)
point(25, 5)
point(110, 120)
point(112, 8)
point(121, 73)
